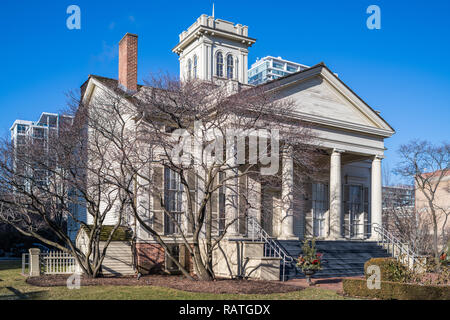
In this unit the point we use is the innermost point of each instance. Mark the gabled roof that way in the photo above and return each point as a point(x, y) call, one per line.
point(276, 85)
point(123, 233)
point(319, 68)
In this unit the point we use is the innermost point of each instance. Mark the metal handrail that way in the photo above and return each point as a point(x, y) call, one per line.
point(385, 237)
point(271, 248)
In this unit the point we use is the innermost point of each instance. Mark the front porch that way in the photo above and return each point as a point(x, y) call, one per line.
point(343, 206)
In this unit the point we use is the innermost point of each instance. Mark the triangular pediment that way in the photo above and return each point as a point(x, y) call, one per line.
point(319, 96)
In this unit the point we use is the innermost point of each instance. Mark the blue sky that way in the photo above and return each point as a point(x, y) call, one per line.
point(403, 70)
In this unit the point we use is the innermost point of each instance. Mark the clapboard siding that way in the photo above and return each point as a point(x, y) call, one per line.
point(118, 259)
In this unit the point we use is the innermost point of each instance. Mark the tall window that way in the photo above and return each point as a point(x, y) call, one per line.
point(195, 67)
point(189, 69)
point(355, 206)
point(219, 65)
point(173, 201)
point(319, 207)
point(230, 67)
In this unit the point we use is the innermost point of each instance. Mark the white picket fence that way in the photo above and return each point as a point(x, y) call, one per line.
point(58, 262)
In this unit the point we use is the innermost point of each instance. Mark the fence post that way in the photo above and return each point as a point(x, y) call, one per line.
point(35, 266)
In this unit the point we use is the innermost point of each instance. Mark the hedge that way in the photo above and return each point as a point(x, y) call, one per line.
point(390, 269)
point(395, 290)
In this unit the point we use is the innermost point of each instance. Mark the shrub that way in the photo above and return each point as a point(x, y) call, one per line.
point(391, 269)
point(395, 290)
point(310, 260)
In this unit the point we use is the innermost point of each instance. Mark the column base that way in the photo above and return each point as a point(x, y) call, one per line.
point(335, 239)
point(288, 237)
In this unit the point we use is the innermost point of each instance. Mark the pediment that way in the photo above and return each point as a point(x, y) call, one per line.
point(320, 96)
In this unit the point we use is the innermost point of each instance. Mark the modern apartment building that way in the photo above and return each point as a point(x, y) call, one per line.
point(25, 133)
point(398, 196)
point(270, 68)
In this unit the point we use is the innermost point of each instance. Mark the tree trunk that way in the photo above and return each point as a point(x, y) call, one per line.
point(435, 233)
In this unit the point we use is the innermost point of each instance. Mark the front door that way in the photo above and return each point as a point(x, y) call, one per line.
point(353, 212)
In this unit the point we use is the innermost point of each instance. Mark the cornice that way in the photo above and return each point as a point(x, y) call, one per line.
point(203, 30)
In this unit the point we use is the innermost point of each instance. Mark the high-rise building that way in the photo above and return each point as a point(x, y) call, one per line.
point(270, 68)
point(26, 133)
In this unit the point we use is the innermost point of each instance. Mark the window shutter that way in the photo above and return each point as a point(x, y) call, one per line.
point(242, 191)
point(366, 211)
point(193, 192)
point(214, 207)
point(158, 223)
point(346, 210)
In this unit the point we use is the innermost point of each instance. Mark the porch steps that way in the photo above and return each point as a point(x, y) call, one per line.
point(340, 258)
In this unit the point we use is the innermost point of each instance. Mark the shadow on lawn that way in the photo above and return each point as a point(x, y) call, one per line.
point(325, 281)
point(10, 264)
point(17, 295)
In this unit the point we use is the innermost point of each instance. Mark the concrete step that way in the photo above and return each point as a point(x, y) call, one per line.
point(340, 258)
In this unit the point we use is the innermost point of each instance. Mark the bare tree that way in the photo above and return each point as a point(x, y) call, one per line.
point(428, 166)
point(401, 218)
point(146, 133)
point(50, 182)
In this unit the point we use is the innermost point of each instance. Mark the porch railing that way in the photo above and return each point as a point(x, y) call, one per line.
point(398, 249)
point(271, 247)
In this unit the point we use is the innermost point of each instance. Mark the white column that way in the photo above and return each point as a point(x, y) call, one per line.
point(287, 195)
point(376, 195)
point(335, 195)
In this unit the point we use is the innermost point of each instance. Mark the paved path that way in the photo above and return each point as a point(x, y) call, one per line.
point(334, 284)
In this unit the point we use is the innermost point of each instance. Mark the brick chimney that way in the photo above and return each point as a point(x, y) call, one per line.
point(128, 48)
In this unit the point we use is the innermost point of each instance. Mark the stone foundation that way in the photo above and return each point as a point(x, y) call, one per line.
point(151, 258)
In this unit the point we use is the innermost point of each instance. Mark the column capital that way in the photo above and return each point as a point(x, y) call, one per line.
point(378, 157)
point(287, 150)
point(337, 151)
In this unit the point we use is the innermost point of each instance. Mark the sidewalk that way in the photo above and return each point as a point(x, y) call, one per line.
point(334, 284)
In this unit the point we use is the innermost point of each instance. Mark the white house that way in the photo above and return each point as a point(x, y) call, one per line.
point(348, 206)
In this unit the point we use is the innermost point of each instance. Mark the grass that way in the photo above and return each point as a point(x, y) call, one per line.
point(13, 287)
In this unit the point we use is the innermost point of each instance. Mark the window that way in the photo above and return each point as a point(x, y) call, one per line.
point(230, 67)
point(38, 133)
point(291, 68)
point(319, 207)
point(21, 140)
point(21, 129)
point(356, 206)
point(173, 201)
point(189, 69)
point(219, 64)
point(278, 65)
point(195, 67)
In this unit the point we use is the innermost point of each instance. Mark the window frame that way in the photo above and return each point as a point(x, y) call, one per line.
point(230, 67)
point(194, 67)
point(219, 65)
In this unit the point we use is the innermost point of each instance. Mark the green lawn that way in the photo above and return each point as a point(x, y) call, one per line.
point(13, 286)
